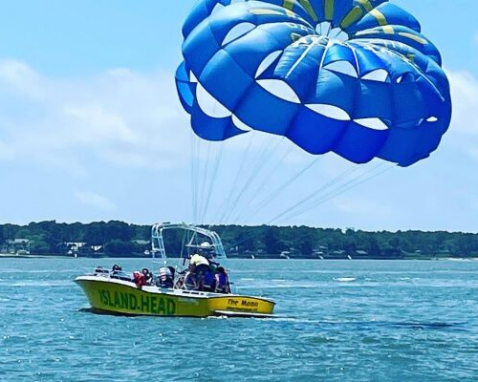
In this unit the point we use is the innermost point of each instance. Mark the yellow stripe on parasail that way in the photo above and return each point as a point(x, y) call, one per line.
point(265, 12)
point(329, 9)
point(358, 13)
point(352, 17)
point(289, 4)
point(379, 16)
point(413, 37)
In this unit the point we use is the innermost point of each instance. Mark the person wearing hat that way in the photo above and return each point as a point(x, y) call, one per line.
point(198, 267)
point(165, 278)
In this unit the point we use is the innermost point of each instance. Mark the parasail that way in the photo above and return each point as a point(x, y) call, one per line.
point(353, 77)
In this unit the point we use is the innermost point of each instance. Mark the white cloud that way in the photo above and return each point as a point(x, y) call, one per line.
point(120, 117)
point(100, 127)
point(464, 91)
point(18, 77)
point(463, 134)
point(94, 200)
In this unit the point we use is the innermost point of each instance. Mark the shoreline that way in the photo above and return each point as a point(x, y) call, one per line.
point(52, 257)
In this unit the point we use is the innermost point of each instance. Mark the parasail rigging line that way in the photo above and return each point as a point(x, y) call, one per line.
point(197, 180)
point(350, 185)
point(212, 181)
point(220, 214)
point(344, 175)
point(193, 170)
point(266, 180)
point(329, 184)
point(279, 190)
point(256, 168)
point(357, 181)
point(203, 180)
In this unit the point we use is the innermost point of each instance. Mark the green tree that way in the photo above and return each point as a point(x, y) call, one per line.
point(95, 234)
point(272, 241)
point(117, 247)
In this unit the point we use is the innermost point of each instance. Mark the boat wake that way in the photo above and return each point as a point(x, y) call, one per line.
point(372, 325)
point(59, 283)
point(345, 279)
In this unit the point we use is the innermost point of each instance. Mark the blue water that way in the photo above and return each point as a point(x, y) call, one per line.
point(342, 321)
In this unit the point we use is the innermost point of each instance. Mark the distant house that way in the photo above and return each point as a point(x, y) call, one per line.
point(18, 245)
point(361, 254)
point(142, 242)
point(338, 253)
point(444, 252)
point(74, 247)
point(75, 244)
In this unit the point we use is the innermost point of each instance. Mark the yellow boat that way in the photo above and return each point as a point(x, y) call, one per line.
point(111, 295)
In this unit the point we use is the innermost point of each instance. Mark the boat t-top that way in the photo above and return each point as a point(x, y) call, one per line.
point(113, 292)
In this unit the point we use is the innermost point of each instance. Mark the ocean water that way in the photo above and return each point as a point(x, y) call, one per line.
point(338, 321)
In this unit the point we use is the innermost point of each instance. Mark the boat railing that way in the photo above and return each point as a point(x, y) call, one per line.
point(214, 241)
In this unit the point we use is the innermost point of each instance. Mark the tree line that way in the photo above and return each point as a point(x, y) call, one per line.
point(120, 238)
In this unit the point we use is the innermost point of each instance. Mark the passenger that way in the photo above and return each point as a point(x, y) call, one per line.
point(142, 278)
point(147, 275)
point(222, 281)
point(117, 273)
point(100, 271)
point(209, 281)
point(189, 282)
point(116, 268)
point(213, 266)
point(173, 272)
point(198, 266)
point(165, 278)
point(139, 279)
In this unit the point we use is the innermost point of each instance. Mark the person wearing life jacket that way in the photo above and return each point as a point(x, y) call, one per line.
point(222, 281)
point(165, 278)
point(118, 274)
point(100, 271)
point(142, 278)
point(209, 284)
point(198, 267)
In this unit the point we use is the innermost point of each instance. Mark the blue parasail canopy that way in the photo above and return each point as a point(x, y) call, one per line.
point(354, 77)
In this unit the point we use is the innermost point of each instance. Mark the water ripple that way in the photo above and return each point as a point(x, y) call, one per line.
point(397, 321)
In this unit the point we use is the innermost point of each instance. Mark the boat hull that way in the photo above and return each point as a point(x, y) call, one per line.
point(112, 296)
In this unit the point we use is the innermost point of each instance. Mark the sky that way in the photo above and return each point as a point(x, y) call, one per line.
point(91, 129)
